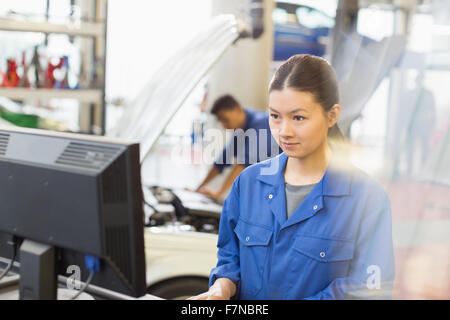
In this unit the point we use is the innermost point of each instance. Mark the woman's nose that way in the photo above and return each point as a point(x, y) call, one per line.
point(285, 129)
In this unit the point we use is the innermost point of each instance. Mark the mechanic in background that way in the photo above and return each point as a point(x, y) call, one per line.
point(251, 122)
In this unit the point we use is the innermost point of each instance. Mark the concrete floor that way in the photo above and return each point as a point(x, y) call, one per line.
point(421, 235)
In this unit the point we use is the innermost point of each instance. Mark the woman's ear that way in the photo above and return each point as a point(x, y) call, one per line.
point(333, 115)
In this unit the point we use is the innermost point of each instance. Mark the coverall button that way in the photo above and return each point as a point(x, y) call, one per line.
point(247, 238)
point(270, 196)
point(322, 254)
point(315, 207)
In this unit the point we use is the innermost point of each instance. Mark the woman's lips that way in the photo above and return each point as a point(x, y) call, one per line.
point(289, 145)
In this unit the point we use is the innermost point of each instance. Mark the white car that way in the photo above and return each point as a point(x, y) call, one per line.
point(179, 256)
point(178, 262)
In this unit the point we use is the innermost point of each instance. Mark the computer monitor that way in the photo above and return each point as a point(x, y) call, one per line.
point(75, 194)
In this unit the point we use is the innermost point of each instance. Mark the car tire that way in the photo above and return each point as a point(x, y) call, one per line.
point(179, 288)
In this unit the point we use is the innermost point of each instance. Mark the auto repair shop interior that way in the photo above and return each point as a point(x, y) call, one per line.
point(113, 115)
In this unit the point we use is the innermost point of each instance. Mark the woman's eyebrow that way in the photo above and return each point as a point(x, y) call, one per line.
point(293, 111)
point(272, 109)
point(297, 110)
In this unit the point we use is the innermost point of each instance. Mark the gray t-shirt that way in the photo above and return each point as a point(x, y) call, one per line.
point(295, 195)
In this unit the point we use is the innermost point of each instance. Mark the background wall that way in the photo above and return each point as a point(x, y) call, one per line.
point(244, 69)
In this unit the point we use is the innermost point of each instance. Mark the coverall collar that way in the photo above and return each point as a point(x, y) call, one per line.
point(335, 182)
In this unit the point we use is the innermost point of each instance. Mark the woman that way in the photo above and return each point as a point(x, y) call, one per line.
point(305, 224)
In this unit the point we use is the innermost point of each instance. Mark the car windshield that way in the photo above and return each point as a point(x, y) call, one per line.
point(312, 18)
point(282, 16)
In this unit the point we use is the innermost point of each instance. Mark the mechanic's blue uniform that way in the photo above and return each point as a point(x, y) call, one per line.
point(337, 244)
point(262, 147)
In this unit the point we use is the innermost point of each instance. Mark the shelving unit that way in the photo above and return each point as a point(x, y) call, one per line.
point(83, 95)
point(91, 100)
point(87, 29)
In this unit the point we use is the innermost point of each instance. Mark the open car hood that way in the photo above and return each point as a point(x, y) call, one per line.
point(147, 116)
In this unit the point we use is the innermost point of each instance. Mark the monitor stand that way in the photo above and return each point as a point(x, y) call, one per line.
point(38, 278)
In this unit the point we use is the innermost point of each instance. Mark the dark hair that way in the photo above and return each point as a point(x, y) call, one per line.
point(307, 73)
point(225, 102)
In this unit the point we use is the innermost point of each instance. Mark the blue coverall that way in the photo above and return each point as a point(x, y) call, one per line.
point(336, 245)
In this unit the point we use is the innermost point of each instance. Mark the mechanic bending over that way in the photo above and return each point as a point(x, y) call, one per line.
point(232, 116)
point(315, 227)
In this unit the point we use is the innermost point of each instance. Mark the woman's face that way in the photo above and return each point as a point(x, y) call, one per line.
point(297, 122)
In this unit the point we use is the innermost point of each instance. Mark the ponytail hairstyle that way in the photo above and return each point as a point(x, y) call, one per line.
point(307, 73)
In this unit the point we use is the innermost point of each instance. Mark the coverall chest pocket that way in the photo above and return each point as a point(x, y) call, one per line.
point(320, 258)
point(254, 243)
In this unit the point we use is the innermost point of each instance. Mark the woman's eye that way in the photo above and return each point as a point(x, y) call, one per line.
point(274, 116)
point(299, 118)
